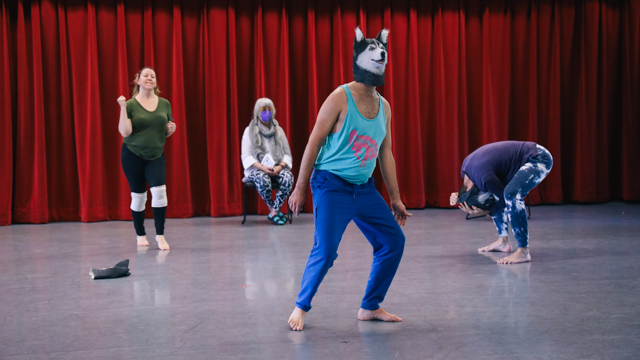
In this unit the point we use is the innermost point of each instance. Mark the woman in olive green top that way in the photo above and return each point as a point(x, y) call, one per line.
point(145, 123)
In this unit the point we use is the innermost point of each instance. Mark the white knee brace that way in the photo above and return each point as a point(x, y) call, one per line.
point(138, 200)
point(159, 196)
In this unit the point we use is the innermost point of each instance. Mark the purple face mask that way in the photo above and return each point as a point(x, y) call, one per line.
point(265, 115)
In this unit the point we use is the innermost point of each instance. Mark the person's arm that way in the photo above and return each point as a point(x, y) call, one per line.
point(124, 125)
point(171, 126)
point(327, 117)
point(472, 210)
point(287, 160)
point(492, 184)
point(267, 170)
point(248, 160)
point(388, 170)
point(496, 187)
point(453, 199)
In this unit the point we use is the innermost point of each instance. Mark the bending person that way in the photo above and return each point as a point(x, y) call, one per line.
point(496, 179)
point(266, 157)
point(145, 123)
point(352, 131)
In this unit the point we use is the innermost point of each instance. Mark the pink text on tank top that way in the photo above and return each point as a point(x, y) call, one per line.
point(366, 143)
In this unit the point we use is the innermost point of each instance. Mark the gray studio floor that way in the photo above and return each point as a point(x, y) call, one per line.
point(225, 291)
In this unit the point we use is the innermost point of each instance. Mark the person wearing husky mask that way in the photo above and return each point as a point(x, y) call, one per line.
point(352, 131)
point(506, 170)
point(266, 155)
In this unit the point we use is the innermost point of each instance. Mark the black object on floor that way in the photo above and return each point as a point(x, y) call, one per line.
point(119, 270)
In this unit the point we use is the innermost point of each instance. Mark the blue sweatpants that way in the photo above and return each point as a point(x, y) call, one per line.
point(528, 176)
point(335, 203)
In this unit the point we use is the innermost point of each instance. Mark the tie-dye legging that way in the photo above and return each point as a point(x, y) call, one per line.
point(528, 177)
point(263, 185)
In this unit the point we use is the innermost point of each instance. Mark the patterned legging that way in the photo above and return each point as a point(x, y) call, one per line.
point(527, 177)
point(263, 185)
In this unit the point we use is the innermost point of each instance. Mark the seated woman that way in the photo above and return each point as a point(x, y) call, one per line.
point(266, 156)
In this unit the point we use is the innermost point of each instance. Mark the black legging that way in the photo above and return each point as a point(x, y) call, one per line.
point(139, 172)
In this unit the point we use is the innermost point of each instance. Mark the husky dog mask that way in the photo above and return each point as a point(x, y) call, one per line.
point(475, 197)
point(370, 58)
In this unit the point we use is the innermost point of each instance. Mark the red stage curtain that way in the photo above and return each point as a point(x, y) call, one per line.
point(565, 74)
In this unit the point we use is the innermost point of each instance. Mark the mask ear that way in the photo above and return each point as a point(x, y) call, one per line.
point(359, 35)
point(382, 36)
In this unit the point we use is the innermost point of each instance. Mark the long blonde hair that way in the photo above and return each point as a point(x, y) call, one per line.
point(136, 87)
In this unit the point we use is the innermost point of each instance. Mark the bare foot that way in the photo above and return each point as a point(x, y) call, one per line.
point(380, 314)
point(162, 243)
point(142, 241)
point(502, 244)
point(520, 256)
point(296, 320)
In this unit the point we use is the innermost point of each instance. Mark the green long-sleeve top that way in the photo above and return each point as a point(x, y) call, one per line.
point(149, 128)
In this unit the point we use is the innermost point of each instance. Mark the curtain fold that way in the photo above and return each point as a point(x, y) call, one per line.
point(563, 73)
point(6, 112)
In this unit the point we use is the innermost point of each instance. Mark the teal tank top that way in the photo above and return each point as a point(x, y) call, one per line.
point(351, 153)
